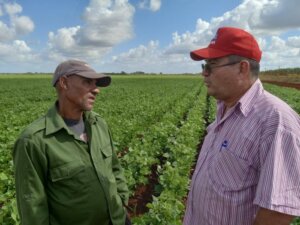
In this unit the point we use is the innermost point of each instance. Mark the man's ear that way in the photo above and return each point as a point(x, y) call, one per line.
point(62, 82)
point(244, 68)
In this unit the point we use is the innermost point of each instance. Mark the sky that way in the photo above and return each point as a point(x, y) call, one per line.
point(153, 36)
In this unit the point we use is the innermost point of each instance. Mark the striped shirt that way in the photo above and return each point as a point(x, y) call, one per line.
point(250, 158)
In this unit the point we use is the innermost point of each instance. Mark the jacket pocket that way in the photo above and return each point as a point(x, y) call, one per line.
point(106, 151)
point(66, 171)
point(107, 155)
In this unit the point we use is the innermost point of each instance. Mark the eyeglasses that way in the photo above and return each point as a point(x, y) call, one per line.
point(208, 68)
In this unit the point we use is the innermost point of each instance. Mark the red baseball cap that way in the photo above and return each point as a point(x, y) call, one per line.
point(229, 41)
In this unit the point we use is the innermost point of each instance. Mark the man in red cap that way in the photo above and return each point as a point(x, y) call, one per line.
point(248, 170)
point(66, 169)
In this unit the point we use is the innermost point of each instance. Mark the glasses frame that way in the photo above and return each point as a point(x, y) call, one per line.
point(208, 68)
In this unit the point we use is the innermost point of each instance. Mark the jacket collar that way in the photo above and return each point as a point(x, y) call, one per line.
point(54, 121)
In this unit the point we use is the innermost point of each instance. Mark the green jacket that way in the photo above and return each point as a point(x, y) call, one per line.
point(61, 180)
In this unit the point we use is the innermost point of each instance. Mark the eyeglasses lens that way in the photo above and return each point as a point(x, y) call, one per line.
point(206, 67)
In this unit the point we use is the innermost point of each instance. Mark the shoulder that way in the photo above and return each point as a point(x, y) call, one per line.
point(30, 137)
point(33, 128)
point(274, 105)
point(276, 113)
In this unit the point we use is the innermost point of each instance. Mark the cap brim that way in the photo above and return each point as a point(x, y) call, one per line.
point(207, 53)
point(102, 80)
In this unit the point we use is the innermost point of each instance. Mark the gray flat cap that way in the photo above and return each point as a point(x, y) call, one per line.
point(80, 68)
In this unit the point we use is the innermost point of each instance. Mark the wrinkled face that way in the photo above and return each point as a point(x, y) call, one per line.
point(222, 78)
point(80, 93)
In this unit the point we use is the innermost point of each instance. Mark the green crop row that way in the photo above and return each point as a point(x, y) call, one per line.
point(290, 95)
point(131, 105)
point(154, 120)
point(180, 154)
point(145, 149)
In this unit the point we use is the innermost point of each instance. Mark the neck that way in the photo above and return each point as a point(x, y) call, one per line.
point(67, 112)
point(228, 103)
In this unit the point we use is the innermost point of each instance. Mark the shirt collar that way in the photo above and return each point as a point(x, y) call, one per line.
point(246, 102)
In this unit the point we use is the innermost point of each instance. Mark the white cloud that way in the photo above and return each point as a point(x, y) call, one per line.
point(261, 18)
point(184, 43)
point(265, 19)
point(17, 51)
point(64, 40)
point(63, 45)
point(17, 26)
point(254, 16)
point(6, 33)
point(140, 54)
point(276, 44)
point(12, 9)
point(181, 43)
point(23, 25)
point(201, 26)
point(149, 58)
point(294, 41)
point(153, 5)
point(279, 15)
point(21, 46)
point(277, 53)
point(280, 47)
point(12, 49)
point(106, 24)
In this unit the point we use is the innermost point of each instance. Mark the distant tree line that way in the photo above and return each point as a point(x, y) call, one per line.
point(132, 73)
point(285, 71)
point(147, 73)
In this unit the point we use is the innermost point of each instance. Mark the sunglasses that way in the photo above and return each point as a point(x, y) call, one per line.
point(208, 68)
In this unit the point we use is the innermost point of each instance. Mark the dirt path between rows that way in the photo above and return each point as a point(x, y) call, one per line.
point(283, 84)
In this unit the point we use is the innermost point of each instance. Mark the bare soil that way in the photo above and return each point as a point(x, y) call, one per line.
point(143, 195)
point(283, 84)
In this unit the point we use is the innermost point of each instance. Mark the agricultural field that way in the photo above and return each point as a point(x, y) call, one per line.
point(158, 123)
point(282, 77)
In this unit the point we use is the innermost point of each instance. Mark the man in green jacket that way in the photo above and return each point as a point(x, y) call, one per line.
point(66, 169)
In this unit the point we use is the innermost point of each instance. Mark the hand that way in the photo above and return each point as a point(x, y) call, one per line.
point(127, 220)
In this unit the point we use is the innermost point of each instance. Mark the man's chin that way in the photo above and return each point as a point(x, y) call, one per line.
point(88, 108)
point(211, 93)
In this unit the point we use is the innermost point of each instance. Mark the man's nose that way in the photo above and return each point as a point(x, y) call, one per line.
point(205, 73)
point(95, 90)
